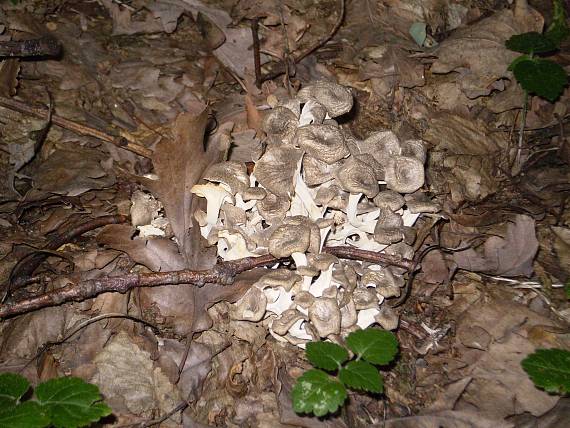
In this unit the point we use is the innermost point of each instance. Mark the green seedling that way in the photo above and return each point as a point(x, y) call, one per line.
point(549, 369)
point(535, 74)
point(321, 393)
point(65, 402)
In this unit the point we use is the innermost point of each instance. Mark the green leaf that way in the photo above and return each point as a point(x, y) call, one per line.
point(317, 392)
point(326, 355)
point(361, 375)
point(558, 30)
point(549, 369)
point(373, 345)
point(517, 60)
point(12, 387)
point(531, 43)
point(26, 415)
point(541, 77)
point(567, 289)
point(71, 402)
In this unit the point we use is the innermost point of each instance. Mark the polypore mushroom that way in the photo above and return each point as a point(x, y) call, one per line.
point(389, 227)
point(251, 307)
point(404, 174)
point(334, 97)
point(316, 172)
point(390, 199)
point(382, 146)
point(232, 174)
point(416, 206)
point(277, 168)
point(323, 142)
point(324, 315)
point(254, 194)
point(215, 196)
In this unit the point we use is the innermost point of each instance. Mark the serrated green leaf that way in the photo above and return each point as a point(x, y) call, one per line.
point(549, 369)
point(558, 30)
point(361, 375)
point(12, 387)
point(531, 43)
point(326, 355)
point(25, 415)
point(71, 402)
point(318, 393)
point(373, 345)
point(541, 77)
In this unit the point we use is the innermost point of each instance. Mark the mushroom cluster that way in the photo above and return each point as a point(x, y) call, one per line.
point(317, 184)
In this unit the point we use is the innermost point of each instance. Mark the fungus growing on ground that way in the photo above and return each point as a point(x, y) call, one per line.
point(316, 184)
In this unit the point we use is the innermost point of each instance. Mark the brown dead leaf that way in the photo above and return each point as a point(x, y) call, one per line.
point(9, 69)
point(509, 256)
point(478, 53)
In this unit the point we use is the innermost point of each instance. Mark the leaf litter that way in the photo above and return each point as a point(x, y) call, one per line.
point(487, 294)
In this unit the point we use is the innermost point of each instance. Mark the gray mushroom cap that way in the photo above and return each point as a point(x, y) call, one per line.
point(279, 278)
point(280, 121)
point(231, 173)
point(316, 172)
point(273, 208)
point(251, 307)
point(324, 315)
point(323, 142)
point(335, 98)
point(387, 284)
point(364, 298)
point(387, 318)
point(297, 234)
point(390, 199)
point(254, 193)
point(277, 168)
point(404, 174)
point(355, 176)
point(389, 227)
point(415, 149)
point(282, 324)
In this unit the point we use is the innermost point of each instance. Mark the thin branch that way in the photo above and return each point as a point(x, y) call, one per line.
point(42, 113)
point(43, 46)
point(222, 273)
point(256, 53)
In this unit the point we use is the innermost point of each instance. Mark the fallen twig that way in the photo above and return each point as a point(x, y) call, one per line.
point(223, 273)
point(43, 46)
point(42, 113)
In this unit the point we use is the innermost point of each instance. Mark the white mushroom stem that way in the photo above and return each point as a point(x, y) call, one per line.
point(323, 282)
point(351, 211)
point(215, 196)
point(365, 317)
point(240, 203)
point(278, 300)
point(408, 218)
point(303, 192)
point(364, 242)
point(307, 116)
point(298, 330)
point(300, 259)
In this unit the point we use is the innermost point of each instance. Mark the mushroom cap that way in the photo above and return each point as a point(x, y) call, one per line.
point(253, 194)
point(389, 227)
point(387, 284)
point(416, 207)
point(389, 199)
point(404, 174)
point(317, 172)
point(414, 149)
point(377, 167)
point(312, 113)
point(231, 173)
point(355, 176)
point(323, 142)
point(282, 324)
point(364, 298)
point(381, 145)
point(401, 249)
point(387, 318)
point(348, 315)
point(304, 299)
point(277, 168)
point(251, 306)
point(280, 121)
point(279, 278)
point(273, 208)
point(288, 239)
point(324, 315)
point(336, 98)
point(321, 261)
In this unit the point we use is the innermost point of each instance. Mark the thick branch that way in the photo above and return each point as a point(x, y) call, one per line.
point(221, 273)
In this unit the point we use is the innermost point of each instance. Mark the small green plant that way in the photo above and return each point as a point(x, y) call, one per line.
point(320, 393)
point(65, 402)
point(549, 369)
point(535, 74)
